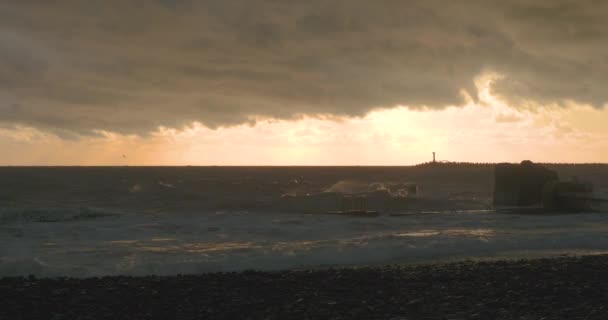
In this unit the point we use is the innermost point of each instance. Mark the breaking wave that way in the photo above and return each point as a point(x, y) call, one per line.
point(140, 244)
point(395, 189)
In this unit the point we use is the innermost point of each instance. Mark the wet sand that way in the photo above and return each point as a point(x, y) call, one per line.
point(561, 288)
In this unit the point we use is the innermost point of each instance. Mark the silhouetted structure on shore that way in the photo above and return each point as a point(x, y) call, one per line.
point(529, 184)
point(521, 184)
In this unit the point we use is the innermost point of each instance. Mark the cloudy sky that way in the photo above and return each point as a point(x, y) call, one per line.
point(285, 82)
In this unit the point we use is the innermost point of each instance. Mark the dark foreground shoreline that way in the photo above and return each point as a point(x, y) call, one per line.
point(562, 288)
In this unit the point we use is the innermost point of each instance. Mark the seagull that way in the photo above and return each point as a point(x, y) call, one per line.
point(123, 155)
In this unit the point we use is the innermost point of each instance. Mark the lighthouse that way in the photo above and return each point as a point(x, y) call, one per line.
point(434, 157)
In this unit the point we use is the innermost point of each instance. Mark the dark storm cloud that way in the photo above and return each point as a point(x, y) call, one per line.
point(133, 65)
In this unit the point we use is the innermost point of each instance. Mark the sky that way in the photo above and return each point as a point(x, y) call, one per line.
point(343, 82)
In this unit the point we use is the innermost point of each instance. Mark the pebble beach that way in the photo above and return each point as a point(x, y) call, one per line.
point(557, 288)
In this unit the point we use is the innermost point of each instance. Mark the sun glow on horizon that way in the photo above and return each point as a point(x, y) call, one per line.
point(486, 129)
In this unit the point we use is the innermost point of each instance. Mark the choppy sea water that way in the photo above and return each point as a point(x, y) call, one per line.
point(137, 221)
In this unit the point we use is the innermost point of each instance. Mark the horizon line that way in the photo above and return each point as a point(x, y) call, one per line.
point(296, 165)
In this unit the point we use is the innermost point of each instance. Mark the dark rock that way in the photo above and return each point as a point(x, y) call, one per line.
point(520, 185)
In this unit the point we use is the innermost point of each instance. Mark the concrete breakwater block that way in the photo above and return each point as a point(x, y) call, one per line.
point(521, 185)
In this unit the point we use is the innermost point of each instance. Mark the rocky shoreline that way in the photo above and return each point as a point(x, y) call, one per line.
point(560, 288)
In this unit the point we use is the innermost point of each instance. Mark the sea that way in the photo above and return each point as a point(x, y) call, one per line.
point(103, 221)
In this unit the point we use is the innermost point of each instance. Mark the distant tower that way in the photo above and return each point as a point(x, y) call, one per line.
point(434, 157)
